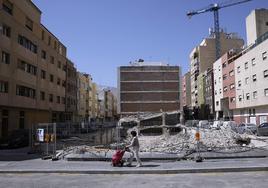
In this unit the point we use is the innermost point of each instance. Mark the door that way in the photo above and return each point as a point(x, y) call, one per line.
point(4, 127)
point(253, 120)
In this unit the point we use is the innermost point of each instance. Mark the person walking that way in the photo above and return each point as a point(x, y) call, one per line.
point(134, 148)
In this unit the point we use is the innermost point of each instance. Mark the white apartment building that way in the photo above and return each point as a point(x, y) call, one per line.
point(218, 94)
point(252, 84)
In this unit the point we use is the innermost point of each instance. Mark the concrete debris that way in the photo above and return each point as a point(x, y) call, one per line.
point(211, 139)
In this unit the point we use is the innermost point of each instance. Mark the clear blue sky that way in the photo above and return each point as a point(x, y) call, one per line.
point(102, 35)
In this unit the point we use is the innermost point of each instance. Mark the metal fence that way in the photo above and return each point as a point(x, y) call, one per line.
point(46, 138)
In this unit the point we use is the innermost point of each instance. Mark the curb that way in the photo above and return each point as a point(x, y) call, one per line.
point(165, 159)
point(161, 171)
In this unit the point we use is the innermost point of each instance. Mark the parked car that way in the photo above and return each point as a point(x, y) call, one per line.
point(217, 124)
point(247, 127)
point(204, 124)
point(262, 129)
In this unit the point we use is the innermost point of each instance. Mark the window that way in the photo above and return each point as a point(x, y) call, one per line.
point(231, 73)
point(217, 103)
point(51, 78)
point(238, 69)
point(25, 91)
point(220, 91)
point(44, 54)
point(240, 97)
point(232, 100)
point(22, 65)
point(264, 55)
point(55, 45)
point(26, 43)
point(49, 40)
point(50, 97)
point(8, 7)
point(225, 89)
point(232, 86)
point(239, 83)
point(5, 57)
point(254, 78)
point(43, 35)
point(29, 23)
point(6, 31)
point(63, 100)
point(266, 92)
point(58, 81)
point(224, 65)
point(224, 77)
point(63, 83)
point(247, 96)
point(247, 80)
point(253, 61)
point(255, 95)
point(219, 68)
point(52, 59)
point(3, 87)
point(22, 120)
point(42, 96)
point(246, 65)
point(265, 73)
point(43, 74)
point(59, 64)
point(215, 92)
point(58, 99)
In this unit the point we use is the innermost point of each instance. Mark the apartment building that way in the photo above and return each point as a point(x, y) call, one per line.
point(257, 24)
point(186, 89)
point(83, 94)
point(218, 86)
point(148, 87)
point(32, 83)
point(95, 111)
point(202, 57)
point(224, 84)
point(252, 83)
point(209, 94)
point(71, 91)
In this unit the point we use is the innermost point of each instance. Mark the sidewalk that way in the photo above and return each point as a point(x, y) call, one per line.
point(158, 167)
point(147, 156)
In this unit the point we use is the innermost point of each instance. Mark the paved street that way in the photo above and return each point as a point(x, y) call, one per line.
point(250, 179)
point(40, 166)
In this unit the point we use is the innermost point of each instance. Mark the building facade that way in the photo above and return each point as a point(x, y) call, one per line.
point(202, 58)
point(257, 25)
point(71, 91)
point(186, 90)
point(252, 84)
point(148, 87)
point(32, 83)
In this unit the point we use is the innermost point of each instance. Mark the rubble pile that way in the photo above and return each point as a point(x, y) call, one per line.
point(211, 139)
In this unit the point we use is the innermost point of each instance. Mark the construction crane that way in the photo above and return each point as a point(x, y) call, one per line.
point(215, 9)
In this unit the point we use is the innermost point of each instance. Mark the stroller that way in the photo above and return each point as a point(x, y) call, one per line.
point(117, 158)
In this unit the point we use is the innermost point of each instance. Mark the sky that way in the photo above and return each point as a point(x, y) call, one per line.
point(101, 35)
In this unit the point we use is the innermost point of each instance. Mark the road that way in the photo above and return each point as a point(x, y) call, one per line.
point(206, 180)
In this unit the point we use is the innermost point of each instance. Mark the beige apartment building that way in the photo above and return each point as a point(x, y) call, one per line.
point(83, 96)
point(95, 107)
point(32, 68)
point(202, 58)
point(186, 90)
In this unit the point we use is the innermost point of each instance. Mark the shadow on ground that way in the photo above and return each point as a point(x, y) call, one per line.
point(20, 154)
